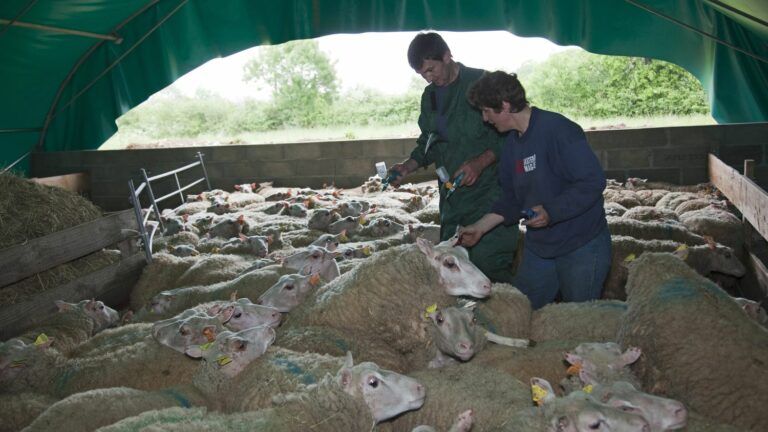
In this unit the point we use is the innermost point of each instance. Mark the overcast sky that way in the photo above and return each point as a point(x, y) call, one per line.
point(376, 60)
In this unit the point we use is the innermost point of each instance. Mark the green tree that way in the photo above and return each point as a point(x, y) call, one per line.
point(578, 83)
point(301, 77)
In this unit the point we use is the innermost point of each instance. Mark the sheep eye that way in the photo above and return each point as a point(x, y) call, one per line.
point(595, 425)
point(238, 315)
point(184, 331)
point(449, 264)
point(727, 254)
point(289, 287)
point(373, 382)
point(474, 320)
point(439, 318)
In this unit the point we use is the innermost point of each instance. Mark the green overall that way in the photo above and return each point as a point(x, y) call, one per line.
point(462, 136)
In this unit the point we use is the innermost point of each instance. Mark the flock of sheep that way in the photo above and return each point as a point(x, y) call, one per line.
point(285, 309)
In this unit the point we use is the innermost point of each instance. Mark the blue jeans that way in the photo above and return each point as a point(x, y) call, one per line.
point(578, 275)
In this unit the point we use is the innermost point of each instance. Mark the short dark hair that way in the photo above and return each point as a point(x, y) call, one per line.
point(493, 88)
point(426, 46)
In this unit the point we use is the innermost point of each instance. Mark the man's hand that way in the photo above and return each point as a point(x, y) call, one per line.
point(404, 168)
point(474, 167)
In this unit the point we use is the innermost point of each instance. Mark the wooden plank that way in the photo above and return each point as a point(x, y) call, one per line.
point(78, 183)
point(111, 284)
point(40, 254)
point(749, 198)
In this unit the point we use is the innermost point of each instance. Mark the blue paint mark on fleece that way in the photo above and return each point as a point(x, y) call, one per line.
point(295, 369)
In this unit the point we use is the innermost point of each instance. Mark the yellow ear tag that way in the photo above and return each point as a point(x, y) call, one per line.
point(367, 251)
point(224, 360)
point(587, 389)
point(629, 258)
point(448, 185)
point(363, 220)
point(430, 310)
point(682, 251)
point(343, 237)
point(314, 279)
point(41, 339)
point(539, 393)
point(206, 346)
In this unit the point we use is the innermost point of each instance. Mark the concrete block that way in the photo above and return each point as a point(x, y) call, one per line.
point(228, 154)
point(351, 149)
point(300, 151)
point(242, 172)
point(330, 149)
point(694, 175)
point(669, 175)
point(629, 158)
point(708, 135)
point(319, 167)
point(275, 169)
point(626, 138)
point(265, 152)
point(387, 148)
point(735, 155)
point(356, 166)
point(681, 157)
point(744, 134)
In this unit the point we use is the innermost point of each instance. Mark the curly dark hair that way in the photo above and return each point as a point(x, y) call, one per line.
point(493, 88)
point(426, 46)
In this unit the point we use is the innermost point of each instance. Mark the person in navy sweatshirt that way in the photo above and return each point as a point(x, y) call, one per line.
point(551, 178)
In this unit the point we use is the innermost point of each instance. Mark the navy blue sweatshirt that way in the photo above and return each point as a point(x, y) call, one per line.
point(552, 165)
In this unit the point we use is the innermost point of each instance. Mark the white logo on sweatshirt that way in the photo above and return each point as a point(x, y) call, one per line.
point(529, 163)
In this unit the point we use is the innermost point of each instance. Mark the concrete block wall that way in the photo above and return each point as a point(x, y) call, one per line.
point(672, 154)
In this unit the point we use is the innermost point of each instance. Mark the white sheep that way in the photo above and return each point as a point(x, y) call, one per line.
point(705, 259)
point(401, 282)
point(653, 230)
point(720, 224)
point(586, 321)
point(699, 347)
point(72, 324)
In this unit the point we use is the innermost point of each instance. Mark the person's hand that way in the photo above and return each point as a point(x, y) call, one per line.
point(474, 167)
point(540, 220)
point(471, 169)
point(469, 235)
point(402, 169)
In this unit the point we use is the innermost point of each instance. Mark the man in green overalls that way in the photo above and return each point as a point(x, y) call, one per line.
point(454, 136)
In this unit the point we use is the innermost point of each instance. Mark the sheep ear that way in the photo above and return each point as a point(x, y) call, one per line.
point(426, 247)
point(573, 359)
point(63, 306)
point(344, 377)
point(542, 391)
point(630, 355)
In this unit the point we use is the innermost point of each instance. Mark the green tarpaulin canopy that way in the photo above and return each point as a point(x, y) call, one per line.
point(69, 68)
